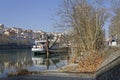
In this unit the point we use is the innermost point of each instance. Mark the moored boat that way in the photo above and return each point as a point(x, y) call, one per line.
point(40, 46)
point(38, 49)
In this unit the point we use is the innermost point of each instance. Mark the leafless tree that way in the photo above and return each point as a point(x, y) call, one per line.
point(114, 28)
point(87, 22)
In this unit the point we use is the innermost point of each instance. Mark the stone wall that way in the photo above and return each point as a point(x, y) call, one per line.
point(112, 74)
point(110, 68)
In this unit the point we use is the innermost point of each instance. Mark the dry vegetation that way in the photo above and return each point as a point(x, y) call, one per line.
point(87, 23)
point(22, 72)
point(88, 64)
point(91, 62)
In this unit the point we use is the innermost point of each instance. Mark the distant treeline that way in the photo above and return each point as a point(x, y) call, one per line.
point(13, 42)
point(15, 46)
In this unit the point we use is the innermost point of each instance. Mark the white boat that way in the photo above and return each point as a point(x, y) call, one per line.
point(38, 49)
point(40, 46)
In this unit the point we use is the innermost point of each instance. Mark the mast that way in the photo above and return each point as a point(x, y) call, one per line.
point(47, 52)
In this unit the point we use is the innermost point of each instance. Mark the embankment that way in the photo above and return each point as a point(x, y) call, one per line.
point(12, 42)
point(110, 68)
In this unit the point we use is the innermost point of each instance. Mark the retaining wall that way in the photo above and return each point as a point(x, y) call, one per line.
point(110, 68)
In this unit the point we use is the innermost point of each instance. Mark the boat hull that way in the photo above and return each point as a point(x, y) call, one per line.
point(37, 49)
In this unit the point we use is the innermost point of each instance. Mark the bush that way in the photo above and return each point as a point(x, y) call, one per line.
point(23, 72)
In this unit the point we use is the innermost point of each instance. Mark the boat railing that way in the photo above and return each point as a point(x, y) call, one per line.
point(38, 46)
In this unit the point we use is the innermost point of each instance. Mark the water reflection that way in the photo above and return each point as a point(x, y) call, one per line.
point(15, 59)
point(22, 58)
point(54, 61)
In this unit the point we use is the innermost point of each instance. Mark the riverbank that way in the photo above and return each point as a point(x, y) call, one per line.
point(48, 75)
point(15, 47)
point(108, 65)
point(54, 74)
point(45, 77)
point(12, 42)
point(62, 75)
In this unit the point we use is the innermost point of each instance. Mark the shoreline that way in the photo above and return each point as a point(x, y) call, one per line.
point(15, 47)
point(51, 75)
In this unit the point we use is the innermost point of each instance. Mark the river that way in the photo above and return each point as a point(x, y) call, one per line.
point(14, 59)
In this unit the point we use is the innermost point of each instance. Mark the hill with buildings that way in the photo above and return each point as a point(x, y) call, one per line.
point(19, 38)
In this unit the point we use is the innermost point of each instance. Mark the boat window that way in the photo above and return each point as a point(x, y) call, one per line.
point(35, 54)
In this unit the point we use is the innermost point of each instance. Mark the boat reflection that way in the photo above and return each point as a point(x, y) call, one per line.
point(18, 59)
point(55, 60)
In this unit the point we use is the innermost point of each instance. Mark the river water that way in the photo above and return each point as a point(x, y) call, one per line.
point(14, 59)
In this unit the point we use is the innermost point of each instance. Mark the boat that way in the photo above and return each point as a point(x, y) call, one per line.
point(40, 46)
point(39, 51)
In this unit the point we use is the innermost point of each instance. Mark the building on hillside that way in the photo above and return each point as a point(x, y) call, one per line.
point(1, 29)
point(30, 34)
point(10, 33)
point(27, 34)
point(113, 41)
point(18, 31)
point(6, 33)
point(39, 35)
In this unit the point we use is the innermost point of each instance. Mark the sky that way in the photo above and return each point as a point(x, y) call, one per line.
point(29, 14)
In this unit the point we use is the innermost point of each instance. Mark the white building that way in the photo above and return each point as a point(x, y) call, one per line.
point(112, 42)
point(39, 35)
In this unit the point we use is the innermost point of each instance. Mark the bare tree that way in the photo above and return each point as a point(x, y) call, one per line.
point(114, 29)
point(87, 23)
